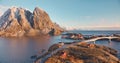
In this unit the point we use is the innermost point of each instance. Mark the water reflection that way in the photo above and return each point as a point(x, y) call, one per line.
point(20, 50)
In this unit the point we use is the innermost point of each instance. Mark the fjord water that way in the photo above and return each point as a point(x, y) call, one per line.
point(15, 50)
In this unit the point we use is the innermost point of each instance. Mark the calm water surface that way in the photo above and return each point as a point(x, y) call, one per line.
point(20, 50)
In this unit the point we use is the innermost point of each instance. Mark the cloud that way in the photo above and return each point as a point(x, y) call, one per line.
point(86, 17)
point(109, 23)
point(100, 24)
point(3, 9)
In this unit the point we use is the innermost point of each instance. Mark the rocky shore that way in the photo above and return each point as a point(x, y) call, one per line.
point(79, 36)
point(78, 52)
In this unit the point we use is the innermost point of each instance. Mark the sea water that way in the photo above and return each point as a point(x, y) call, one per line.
point(20, 50)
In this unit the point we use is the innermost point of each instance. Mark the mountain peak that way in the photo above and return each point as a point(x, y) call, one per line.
point(18, 21)
point(38, 9)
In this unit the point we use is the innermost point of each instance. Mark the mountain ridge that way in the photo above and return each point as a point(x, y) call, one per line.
point(22, 22)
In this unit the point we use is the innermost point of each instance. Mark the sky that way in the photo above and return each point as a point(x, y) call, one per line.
point(75, 14)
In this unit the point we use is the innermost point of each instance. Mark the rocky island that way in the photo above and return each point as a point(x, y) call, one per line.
point(78, 52)
point(17, 22)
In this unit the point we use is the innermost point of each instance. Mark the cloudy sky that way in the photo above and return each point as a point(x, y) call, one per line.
point(78, 14)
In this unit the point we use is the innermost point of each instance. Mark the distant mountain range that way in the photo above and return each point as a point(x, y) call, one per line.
point(17, 22)
point(96, 28)
point(104, 28)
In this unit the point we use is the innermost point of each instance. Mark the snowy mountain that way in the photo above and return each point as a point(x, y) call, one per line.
point(21, 22)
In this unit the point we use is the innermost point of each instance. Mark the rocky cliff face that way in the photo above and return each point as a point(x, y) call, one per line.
point(22, 22)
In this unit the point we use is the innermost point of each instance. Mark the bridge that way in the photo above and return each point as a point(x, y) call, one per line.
point(44, 57)
point(99, 38)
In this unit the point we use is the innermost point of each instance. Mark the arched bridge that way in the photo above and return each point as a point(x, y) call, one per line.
point(99, 38)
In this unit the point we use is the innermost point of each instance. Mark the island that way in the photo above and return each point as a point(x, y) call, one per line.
point(78, 52)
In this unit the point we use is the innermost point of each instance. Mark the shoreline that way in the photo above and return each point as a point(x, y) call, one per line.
point(59, 46)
